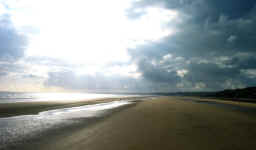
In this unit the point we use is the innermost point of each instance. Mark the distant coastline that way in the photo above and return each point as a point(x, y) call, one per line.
point(244, 95)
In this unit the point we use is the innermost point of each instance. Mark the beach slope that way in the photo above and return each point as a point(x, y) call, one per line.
point(164, 123)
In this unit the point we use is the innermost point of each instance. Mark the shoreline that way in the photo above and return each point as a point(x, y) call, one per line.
point(164, 123)
point(45, 137)
point(161, 123)
point(33, 108)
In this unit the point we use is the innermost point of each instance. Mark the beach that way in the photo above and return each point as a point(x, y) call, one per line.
point(30, 108)
point(159, 123)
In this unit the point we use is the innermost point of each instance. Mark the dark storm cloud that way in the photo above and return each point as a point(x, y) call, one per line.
point(199, 8)
point(69, 80)
point(12, 44)
point(215, 44)
point(102, 83)
point(232, 8)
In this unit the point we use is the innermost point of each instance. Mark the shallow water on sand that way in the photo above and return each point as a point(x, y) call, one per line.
point(14, 130)
point(12, 97)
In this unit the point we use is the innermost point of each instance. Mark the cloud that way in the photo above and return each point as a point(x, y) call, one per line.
point(215, 44)
point(178, 45)
point(251, 73)
point(98, 82)
point(12, 48)
point(101, 83)
point(12, 44)
point(232, 38)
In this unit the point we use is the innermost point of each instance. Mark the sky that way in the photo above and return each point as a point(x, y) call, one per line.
point(127, 46)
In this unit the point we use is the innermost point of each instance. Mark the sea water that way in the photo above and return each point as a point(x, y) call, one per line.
point(22, 129)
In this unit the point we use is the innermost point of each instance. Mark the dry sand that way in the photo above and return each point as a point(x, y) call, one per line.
point(165, 123)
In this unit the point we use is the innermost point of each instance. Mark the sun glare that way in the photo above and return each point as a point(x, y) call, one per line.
point(94, 33)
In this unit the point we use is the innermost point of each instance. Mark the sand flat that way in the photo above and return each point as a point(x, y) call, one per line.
point(162, 123)
point(165, 123)
point(30, 108)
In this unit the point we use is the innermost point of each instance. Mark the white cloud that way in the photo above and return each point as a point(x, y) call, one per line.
point(182, 72)
point(232, 39)
point(199, 85)
point(168, 56)
point(87, 33)
point(126, 71)
point(251, 73)
point(3, 9)
point(232, 84)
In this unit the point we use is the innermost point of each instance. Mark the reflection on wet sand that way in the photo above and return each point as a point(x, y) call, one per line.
point(17, 129)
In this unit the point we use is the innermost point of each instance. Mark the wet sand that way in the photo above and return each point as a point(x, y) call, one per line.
point(163, 123)
point(32, 108)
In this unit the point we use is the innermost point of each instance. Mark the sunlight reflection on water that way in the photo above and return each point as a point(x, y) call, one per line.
point(13, 129)
point(10, 97)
